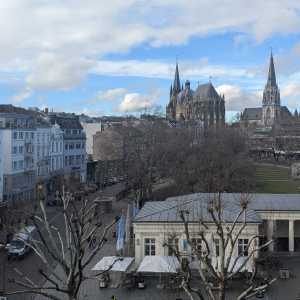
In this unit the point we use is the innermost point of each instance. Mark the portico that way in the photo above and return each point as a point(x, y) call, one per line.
point(284, 229)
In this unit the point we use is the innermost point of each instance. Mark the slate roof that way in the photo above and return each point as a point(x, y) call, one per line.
point(66, 122)
point(254, 113)
point(285, 113)
point(206, 92)
point(196, 204)
point(276, 202)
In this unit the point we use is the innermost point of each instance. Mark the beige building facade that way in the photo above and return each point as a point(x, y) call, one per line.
point(273, 217)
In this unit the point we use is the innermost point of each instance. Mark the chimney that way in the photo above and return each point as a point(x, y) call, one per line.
point(46, 110)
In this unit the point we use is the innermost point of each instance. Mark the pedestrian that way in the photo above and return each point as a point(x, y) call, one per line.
point(113, 297)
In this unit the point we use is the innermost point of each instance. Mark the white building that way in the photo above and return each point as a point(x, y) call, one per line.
point(271, 216)
point(56, 150)
point(90, 130)
point(42, 145)
point(74, 144)
point(17, 168)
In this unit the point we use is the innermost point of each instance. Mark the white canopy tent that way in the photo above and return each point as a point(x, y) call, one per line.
point(113, 263)
point(159, 264)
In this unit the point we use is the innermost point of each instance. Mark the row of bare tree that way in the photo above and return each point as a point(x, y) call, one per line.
point(216, 162)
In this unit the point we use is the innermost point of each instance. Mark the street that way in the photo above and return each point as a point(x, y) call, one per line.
point(29, 266)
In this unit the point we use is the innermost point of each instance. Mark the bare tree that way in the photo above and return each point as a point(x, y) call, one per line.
point(217, 163)
point(145, 156)
point(214, 252)
point(67, 247)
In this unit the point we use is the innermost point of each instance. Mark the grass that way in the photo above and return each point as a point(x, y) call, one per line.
point(275, 179)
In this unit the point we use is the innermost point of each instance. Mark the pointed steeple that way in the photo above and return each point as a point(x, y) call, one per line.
point(171, 90)
point(271, 75)
point(176, 85)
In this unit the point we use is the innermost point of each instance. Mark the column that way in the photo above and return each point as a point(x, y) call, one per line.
point(291, 236)
point(270, 233)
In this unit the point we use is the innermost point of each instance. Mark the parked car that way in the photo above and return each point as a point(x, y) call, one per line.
point(19, 245)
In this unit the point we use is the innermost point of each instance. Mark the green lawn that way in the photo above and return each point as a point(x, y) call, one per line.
point(273, 179)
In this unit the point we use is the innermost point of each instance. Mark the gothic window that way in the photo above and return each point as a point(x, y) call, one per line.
point(268, 115)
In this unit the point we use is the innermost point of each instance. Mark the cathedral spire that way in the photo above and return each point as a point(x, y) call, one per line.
point(271, 75)
point(176, 85)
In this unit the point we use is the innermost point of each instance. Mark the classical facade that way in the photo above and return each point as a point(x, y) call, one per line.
point(271, 113)
point(273, 217)
point(204, 105)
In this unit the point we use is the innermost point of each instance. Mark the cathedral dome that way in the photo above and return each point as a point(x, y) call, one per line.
point(206, 92)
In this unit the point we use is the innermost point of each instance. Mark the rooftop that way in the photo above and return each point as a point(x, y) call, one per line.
point(197, 207)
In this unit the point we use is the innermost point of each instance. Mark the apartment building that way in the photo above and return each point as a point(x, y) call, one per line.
point(17, 167)
point(74, 144)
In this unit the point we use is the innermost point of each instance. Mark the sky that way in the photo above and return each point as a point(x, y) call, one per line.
point(118, 57)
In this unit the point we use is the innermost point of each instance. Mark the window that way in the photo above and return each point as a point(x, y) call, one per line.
point(15, 135)
point(20, 149)
point(83, 145)
point(14, 165)
point(150, 247)
point(172, 246)
point(15, 149)
point(26, 135)
point(71, 146)
point(66, 146)
point(197, 245)
point(78, 146)
point(32, 135)
point(217, 245)
point(243, 247)
point(21, 164)
point(74, 131)
point(21, 135)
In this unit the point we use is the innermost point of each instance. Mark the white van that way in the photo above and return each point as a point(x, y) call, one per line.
point(18, 247)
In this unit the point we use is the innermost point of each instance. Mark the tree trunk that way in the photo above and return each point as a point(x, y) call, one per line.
point(221, 290)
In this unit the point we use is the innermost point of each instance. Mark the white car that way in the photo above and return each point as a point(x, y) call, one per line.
point(18, 247)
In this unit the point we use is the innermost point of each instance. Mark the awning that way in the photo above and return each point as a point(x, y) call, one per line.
point(215, 261)
point(239, 261)
point(113, 263)
point(159, 264)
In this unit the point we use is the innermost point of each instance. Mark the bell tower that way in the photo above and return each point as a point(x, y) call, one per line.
point(271, 98)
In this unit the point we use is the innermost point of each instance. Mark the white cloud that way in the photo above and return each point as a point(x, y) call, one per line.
point(111, 94)
point(23, 95)
point(159, 69)
point(52, 71)
point(291, 89)
point(77, 34)
point(135, 102)
point(236, 99)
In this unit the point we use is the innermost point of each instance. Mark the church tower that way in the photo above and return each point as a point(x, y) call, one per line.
point(174, 91)
point(271, 98)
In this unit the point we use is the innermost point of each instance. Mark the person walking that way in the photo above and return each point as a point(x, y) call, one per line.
point(113, 297)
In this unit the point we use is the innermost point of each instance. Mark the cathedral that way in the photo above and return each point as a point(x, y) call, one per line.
point(204, 105)
point(271, 114)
